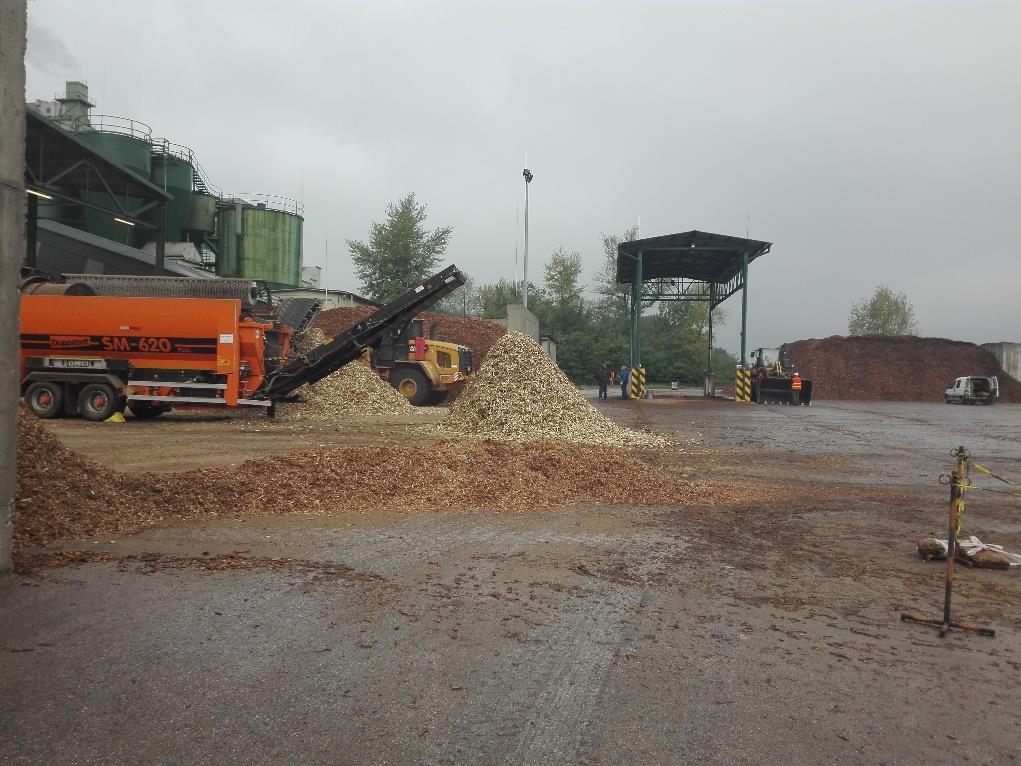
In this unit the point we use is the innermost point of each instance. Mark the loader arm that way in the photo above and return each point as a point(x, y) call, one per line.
point(348, 345)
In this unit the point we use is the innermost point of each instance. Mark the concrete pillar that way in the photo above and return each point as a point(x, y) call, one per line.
point(520, 319)
point(13, 15)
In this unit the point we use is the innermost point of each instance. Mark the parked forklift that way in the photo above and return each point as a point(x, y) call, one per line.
point(775, 380)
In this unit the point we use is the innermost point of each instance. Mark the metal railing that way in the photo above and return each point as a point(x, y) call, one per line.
point(268, 201)
point(110, 123)
point(162, 147)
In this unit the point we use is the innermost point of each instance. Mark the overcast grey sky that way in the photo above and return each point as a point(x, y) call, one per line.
point(871, 142)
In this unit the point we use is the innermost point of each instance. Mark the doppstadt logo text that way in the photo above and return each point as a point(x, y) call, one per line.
point(70, 341)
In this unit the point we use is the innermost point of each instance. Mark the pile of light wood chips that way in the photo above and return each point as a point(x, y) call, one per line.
point(353, 390)
point(521, 395)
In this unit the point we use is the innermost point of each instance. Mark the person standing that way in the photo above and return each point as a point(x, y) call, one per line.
point(795, 389)
point(603, 379)
point(625, 379)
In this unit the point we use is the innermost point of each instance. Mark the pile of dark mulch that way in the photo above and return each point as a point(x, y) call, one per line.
point(899, 368)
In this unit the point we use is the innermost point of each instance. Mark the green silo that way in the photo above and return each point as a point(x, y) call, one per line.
point(131, 149)
point(173, 175)
point(200, 221)
point(260, 241)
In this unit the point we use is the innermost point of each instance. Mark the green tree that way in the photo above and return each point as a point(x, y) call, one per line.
point(400, 252)
point(563, 292)
point(494, 298)
point(613, 298)
point(885, 313)
point(465, 301)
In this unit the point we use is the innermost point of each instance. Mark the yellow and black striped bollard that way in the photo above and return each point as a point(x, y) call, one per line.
point(637, 382)
point(743, 386)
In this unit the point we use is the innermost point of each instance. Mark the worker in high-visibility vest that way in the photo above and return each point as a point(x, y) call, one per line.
point(795, 389)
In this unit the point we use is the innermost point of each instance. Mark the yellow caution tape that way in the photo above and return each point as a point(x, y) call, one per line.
point(990, 473)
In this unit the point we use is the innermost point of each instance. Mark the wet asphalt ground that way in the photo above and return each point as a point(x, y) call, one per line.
point(766, 633)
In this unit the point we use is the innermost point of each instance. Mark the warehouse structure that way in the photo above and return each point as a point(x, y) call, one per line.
point(106, 195)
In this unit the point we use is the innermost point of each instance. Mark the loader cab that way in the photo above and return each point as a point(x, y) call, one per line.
point(768, 358)
point(394, 347)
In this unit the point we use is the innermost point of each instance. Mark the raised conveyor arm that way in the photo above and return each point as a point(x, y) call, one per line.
point(348, 345)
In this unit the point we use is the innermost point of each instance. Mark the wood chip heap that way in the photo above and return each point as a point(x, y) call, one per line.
point(901, 368)
point(519, 394)
point(353, 390)
point(63, 495)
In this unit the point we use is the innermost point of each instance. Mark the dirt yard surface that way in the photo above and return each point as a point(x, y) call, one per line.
point(600, 634)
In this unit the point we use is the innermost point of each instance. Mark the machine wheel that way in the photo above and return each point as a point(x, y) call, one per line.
point(45, 399)
point(146, 411)
point(412, 385)
point(97, 401)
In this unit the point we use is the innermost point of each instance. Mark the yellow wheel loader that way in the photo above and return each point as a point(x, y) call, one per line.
point(775, 379)
point(422, 369)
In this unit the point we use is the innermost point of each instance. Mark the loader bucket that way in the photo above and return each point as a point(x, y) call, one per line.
point(771, 390)
point(777, 390)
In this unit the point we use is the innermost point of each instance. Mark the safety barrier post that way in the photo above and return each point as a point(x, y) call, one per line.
point(743, 385)
point(959, 482)
point(637, 382)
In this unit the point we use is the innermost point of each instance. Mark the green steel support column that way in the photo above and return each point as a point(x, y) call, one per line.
point(636, 314)
point(744, 306)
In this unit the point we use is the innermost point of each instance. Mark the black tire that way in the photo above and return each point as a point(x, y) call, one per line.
point(413, 385)
point(97, 401)
point(946, 399)
point(146, 411)
point(45, 399)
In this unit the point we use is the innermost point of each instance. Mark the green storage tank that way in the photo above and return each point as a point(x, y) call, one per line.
point(173, 175)
point(261, 242)
point(201, 219)
point(133, 151)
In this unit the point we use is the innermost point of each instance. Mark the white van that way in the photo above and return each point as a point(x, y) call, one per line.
point(973, 390)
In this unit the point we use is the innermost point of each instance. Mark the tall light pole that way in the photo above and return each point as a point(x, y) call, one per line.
point(528, 179)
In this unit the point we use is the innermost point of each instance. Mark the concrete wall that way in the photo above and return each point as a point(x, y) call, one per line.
point(1008, 355)
point(520, 319)
point(549, 346)
point(13, 15)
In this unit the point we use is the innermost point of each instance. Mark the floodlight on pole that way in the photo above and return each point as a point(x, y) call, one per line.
point(528, 179)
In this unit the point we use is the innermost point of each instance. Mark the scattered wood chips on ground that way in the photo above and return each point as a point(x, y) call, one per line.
point(521, 395)
point(64, 495)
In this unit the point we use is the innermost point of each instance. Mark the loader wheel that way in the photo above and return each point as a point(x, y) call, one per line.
point(45, 399)
point(412, 385)
point(97, 401)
